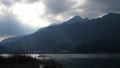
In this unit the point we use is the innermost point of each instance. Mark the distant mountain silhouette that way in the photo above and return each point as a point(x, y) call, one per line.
point(67, 37)
point(98, 47)
point(11, 39)
point(76, 19)
point(4, 50)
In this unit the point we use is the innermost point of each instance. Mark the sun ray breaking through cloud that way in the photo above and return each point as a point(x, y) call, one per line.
point(35, 14)
point(31, 14)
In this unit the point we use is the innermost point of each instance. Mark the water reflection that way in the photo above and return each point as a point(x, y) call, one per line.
point(80, 60)
point(68, 56)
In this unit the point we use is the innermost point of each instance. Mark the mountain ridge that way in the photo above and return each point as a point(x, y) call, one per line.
point(57, 38)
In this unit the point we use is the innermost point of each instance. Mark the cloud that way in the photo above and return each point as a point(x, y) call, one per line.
point(31, 1)
point(8, 3)
point(69, 8)
point(58, 6)
point(11, 26)
point(56, 11)
point(94, 8)
point(85, 8)
point(111, 5)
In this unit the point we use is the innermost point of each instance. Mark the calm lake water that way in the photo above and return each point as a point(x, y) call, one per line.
point(81, 60)
point(69, 56)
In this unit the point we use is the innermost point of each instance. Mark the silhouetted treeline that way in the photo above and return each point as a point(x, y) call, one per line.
point(22, 61)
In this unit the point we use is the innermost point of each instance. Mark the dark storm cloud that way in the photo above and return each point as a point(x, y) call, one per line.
point(66, 8)
point(91, 8)
point(58, 6)
point(94, 8)
point(112, 5)
point(9, 25)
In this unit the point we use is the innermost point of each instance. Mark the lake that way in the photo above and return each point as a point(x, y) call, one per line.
point(81, 60)
point(81, 56)
point(68, 56)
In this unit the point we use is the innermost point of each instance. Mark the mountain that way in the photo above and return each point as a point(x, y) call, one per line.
point(4, 50)
point(66, 37)
point(76, 19)
point(12, 39)
point(99, 47)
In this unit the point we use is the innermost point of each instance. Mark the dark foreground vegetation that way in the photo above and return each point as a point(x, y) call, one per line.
point(22, 61)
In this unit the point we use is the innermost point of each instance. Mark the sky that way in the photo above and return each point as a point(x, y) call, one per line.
point(19, 17)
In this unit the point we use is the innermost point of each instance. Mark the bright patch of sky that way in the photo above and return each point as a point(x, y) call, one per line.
point(26, 16)
point(31, 14)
